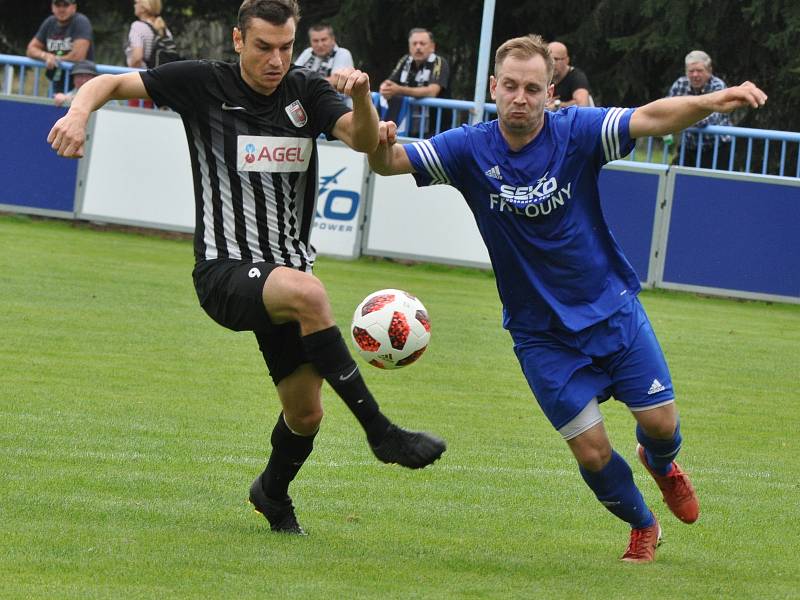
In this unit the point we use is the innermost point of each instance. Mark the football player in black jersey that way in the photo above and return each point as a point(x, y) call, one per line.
point(252, 128)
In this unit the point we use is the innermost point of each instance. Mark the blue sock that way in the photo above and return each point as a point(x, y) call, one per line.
point(614, 487)
point(660, 453)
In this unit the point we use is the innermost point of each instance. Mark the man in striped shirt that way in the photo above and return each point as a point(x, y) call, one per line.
point(568, 292)
point(251, 128)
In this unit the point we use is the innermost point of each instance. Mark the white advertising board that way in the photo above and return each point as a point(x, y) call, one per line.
point(138, 170)
point(430, 223)
point(340, 206)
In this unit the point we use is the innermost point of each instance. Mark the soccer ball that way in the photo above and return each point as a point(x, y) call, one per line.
point(390, 329)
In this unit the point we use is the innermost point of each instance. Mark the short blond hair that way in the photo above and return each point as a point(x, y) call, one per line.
point(526, 46)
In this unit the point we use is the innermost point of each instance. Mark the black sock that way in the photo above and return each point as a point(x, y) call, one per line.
point(330, 357)
point(289, 452)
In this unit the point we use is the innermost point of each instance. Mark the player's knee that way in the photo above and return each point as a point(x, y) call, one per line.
point(311, 299)
point(594, 458)
point(662, 429)
point(305, 422)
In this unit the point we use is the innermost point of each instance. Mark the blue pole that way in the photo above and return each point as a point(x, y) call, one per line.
point(481, 77)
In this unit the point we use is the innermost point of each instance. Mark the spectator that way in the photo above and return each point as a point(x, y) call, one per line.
point(143, 32)
point(82, 72)
point(324, 56)
point(64, 35)
point(419, 74)
point(142, 37)
point(700, 80)
point(572, 85)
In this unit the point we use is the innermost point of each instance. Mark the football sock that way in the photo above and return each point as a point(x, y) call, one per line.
point(289, 452)
point(614, 487)
point(660, 453)
point(330, 357)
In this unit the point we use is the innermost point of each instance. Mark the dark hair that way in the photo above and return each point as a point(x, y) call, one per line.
point(276, 12)
point(321, 27)
point(421, 30)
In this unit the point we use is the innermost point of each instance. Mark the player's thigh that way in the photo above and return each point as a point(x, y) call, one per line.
point(591, 447)
point(291, 295)
point(639, 372)
point(230, 291)
point(563, 378)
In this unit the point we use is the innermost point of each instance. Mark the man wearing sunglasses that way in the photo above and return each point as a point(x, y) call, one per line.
point(64, 35)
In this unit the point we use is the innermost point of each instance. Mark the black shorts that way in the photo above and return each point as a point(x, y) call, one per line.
point(230, 291)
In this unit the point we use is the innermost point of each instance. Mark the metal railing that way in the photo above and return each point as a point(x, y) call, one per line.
point(26, 77)
point(736, 149)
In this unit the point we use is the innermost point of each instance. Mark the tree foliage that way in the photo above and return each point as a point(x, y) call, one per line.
point(631, 50)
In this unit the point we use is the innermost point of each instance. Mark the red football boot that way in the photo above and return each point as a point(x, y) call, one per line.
point(643, 544)
point(676, 489)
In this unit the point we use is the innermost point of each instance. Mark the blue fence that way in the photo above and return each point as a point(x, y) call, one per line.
point(24, 76)
point(733, 149)
point(682, 228)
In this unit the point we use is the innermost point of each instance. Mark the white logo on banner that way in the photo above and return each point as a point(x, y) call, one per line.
point(338, 206)
point(273, 154)
point(341, 177)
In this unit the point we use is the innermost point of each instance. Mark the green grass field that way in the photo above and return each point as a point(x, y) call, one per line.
point(132, 426)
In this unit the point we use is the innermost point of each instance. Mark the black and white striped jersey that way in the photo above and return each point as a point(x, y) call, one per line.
point(254, 157)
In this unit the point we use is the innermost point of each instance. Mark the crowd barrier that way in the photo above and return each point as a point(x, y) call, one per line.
point(733, 149)
point(682, 228)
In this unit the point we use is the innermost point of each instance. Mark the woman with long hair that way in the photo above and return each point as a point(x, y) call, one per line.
point(143, 32)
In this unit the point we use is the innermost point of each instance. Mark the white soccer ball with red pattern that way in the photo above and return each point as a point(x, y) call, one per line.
point(390, 329)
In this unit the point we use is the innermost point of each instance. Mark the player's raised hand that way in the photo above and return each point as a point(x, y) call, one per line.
point(351, 82)
point(746, 94)
point(68, 135)
point(387, 132)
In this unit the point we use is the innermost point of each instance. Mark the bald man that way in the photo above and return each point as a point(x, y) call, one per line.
point(572, 85)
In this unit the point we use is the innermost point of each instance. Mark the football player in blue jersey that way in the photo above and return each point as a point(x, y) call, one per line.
point(569, 294)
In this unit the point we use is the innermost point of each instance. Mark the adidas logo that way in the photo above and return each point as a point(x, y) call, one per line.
point(494, 173)
point(655, 387)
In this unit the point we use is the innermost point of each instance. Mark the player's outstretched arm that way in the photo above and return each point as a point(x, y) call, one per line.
point(389, 158)
point(69, 133)
point(671, 115)
point(357, 129)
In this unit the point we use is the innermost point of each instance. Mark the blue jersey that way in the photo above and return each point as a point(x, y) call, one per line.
point(538, 210)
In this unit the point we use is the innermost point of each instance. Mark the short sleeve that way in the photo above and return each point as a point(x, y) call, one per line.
point(138, 34)
point(178, 84)
point(327, 105)
point(603, 133)
point(82, 28)
point(435, 161)
point(395, 74)
point(441, 73)
point(44, 29)
point(343, 59)
point(580, 80)
point(303, 58)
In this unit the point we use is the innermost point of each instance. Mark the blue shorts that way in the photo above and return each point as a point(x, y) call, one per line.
point(618, 357)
